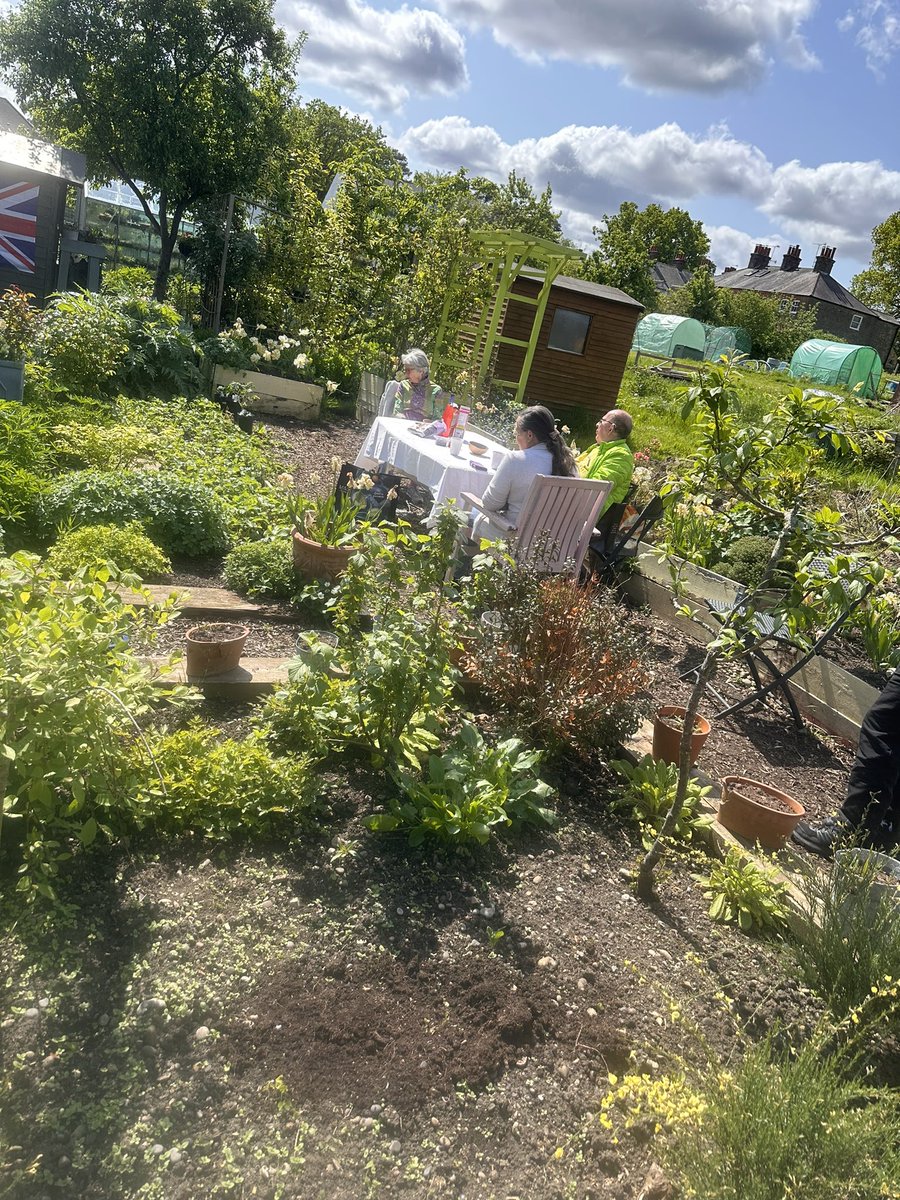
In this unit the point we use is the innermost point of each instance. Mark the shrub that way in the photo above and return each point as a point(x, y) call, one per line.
point(562, 661)
point(742, 892)
point(128, 548)
point(70, 688)
point(131, 282)
point(19, 323)
point(108, 447)
point(162, 359)
point(746, 559)
point(181, 516)
point(468, 791)
point(219, 787)
point(83, 340)
point(21, 505)
point(264, 568)
point(648, 795)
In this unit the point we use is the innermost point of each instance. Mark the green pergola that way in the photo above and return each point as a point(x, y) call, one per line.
point(469, 345)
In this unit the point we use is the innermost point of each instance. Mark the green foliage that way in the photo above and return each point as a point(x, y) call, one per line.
point(19, 323)
point(561, 662)
point(742, 892)
point(792, 1122)
point(774, 331)
point(514, 205)
point(877, 622)
point(746, 559)
point(201, 783)
point(329, 520)
point(851, 945)
point(879, 285)
point(69, 690)
point(133, 283)
point(161, 359)
point(127, 549)
point(84, 342)
point(468, 791)
point(180, 516)
point(215, 79)
point(108, 447)
point(649, 794)
point(698, 298)
point(261, 569)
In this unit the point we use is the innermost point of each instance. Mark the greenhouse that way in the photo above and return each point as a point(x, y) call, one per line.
point(837, 363)
point(725, 340)
point(669, 335)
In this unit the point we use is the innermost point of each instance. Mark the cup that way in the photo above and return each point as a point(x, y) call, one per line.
point(497, 457)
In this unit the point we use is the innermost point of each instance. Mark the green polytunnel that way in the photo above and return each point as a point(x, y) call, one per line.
point(838, 363)
point(725, 340)
point(669, 335)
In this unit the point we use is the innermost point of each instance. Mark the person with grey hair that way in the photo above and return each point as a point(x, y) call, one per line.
point(416, 398)
point(610, 457)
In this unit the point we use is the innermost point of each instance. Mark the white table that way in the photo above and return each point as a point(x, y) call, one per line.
point(392, 440)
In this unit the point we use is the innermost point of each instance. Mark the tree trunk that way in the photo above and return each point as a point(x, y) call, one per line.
point(167, 248)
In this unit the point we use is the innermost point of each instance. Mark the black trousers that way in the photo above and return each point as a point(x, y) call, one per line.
point(873, 789)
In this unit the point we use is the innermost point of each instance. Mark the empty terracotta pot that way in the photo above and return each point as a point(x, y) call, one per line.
point(212, 649)
point(744, 810)
point(667, 726)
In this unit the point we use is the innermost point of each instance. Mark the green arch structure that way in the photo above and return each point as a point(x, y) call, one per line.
point(469, 345)
point(836, 362)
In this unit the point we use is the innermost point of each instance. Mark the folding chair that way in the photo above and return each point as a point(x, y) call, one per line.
point(609, 552)
point(555, 524)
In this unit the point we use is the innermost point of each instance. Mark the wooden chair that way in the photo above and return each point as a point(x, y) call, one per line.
point(556, 522)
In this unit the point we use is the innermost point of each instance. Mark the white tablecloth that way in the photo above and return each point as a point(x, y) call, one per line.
point(392, 440)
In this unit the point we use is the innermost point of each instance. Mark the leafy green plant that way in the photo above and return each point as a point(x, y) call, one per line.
point(83, 341)
point(851, 945)
point(161, 359)
point(648, 796)
point(562, 662)
point(468, 791)
point(19, 323)
point(70, 689)
point(128, 548)
point(746, 559)
point(263, 568)
point(742, 892)
point(199, 782)
point(331, 520)
point(183, 517)
point(107, 447)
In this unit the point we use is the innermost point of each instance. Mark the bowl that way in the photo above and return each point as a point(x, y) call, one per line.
point(477, 448)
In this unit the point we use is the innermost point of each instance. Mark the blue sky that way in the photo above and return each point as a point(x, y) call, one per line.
point(769, 121)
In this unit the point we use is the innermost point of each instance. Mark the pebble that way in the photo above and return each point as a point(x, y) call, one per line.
point(375, 1110)
point(202, 1033)
point(7, 1022)
point(207, 862)
point(44, 1003)
point(156, 1149)
point(581, 984)
point(546, 963)
point(175, 1155)
point(626, 873)
point(31, 1014)
point(367, 1122)
point(153, 1004)
point(488, 910)
point(394, 1147)
point(592, 1012)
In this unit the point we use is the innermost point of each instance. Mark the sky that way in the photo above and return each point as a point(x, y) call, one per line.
point(770, 121)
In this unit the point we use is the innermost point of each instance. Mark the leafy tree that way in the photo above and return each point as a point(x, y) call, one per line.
point(181, 99)
point(699, 298)
point(774, 331)
point(514, 205)
point(879, 284)
point(625, 238)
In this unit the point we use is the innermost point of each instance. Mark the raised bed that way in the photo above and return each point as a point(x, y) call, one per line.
point(276, 397)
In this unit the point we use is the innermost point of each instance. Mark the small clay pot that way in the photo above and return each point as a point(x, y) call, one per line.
point(213, 649)
point(312, 560)
point(667, 734)
point(743, 810)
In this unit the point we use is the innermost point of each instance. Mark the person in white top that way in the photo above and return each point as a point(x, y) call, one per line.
point(541, 451)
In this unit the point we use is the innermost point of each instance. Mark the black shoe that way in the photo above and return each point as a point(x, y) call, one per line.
point(823, 839)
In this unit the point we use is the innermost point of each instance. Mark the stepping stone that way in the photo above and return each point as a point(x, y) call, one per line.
point(253, 677)
point(208, 602)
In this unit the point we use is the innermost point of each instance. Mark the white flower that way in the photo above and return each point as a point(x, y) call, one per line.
point(335, 465)
point(267, 355)
point(254, 358)
point(259, 328)
point(301, 361)
point(566, 429)
point(330, 386)
point(285, 479)
point(365, 483)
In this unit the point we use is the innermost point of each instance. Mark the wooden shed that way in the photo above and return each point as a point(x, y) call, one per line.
point(582, 347)
point(37, 181)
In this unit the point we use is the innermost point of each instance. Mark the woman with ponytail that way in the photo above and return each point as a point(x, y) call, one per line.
point(541, 451)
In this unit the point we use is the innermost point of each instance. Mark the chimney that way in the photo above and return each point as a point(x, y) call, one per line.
point(653, 252)
point(824, 260)
point(679, 260)
point(791, 260)
point(728, 270)
point(759, 259)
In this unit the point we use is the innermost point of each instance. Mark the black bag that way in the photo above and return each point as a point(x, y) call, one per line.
point(379, 502)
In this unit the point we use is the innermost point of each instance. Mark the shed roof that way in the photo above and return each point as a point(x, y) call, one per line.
point(806, 282)
point(43, 157)
point(568, 283)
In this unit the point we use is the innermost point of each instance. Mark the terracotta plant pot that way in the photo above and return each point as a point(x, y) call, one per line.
point(214, 649)
point(743, 810)
point(312, 560)
point(667, 734)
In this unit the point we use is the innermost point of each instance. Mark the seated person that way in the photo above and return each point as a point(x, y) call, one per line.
point(416, 398)
point(541, 451)
point(610, 457)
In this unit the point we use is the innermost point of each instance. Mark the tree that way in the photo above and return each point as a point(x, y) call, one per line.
point(514, 205)
point(775, 332)
point(622, 258)
point(183, 100)
point(698, 298)
point(879, 284)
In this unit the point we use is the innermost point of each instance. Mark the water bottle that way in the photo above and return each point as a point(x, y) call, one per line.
point(459, 431)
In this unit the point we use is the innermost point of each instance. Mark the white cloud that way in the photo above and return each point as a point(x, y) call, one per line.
point(694, 45)
point(380, 57)
point(876, 28)
point(592, 169)
point(730, 247)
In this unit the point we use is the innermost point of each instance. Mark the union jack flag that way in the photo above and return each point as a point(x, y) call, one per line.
point(18, 223)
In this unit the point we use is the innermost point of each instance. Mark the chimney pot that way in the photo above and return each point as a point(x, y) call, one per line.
point(824, 260)
point(759, 259)
point(791, 260)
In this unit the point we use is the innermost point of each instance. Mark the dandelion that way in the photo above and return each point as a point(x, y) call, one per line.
point(330, 386)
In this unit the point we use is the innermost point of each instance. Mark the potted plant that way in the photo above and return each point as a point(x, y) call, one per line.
point(758, 812)
point(326, 532)
point(18, 325)
point(214, 648)
point(668, 725)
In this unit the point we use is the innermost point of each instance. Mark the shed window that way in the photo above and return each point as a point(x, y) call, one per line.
point(569, 331)
point(856, 321)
